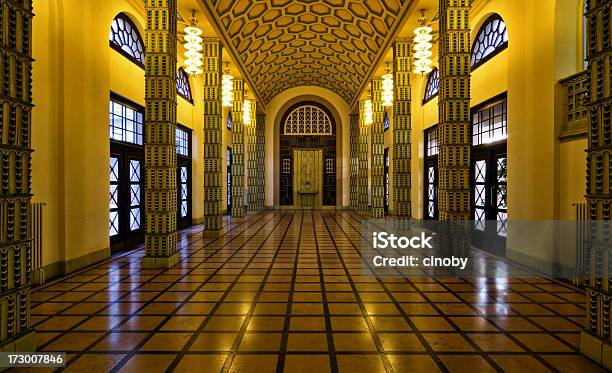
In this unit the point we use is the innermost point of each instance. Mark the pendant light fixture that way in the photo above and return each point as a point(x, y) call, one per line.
point(387, 87)
point(246, 110)
point(193, 47)
point(422, 47)
point(368, 115)
point(227, 87)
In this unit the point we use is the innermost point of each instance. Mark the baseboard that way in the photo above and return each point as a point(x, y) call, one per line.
point(556, 270)
point(307, 208)
point(596, 349)
point(63, 268)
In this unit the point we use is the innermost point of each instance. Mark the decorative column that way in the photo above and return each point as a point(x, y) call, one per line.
point(402, 127)
point(596, 340)
point(160, 134)
point(354, 161)
point(454, 127)
point(251, 135)
point(261, 159)
point(377, 164)
point(363, 159)
point(213, 137)
point(238, 151)
point(15, 195)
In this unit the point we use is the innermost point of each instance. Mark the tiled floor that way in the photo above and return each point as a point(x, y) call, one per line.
point(284, 292)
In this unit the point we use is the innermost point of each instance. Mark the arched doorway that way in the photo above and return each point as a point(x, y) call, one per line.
point(307, 177)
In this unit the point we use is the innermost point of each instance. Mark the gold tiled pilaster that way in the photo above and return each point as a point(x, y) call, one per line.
point(160, 135)
point(15, 159)
point(377, 162)
point(454, 110)
point(213, 137)
point(363, 160)
point(454, 127)
point(251, 134)
point(599, 184)
point(261, 159)
point(354, 161)
point(238, 151)
point(402, 126)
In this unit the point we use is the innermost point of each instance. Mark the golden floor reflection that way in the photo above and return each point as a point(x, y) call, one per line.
point(285, 291)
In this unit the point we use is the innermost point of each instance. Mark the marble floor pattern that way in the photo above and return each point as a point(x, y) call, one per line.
point(284, 291)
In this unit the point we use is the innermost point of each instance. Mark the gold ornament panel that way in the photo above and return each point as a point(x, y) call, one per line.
point(328, 43)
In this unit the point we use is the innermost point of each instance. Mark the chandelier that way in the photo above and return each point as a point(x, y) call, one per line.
point(422, 46)
point(368, 115)
point(193, 47)
point(227, 87)
point(387, 88)
point(246, 112)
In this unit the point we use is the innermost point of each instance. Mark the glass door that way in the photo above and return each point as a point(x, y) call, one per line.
point(490, 198)
point(229, 180)
point(386, 159)
point(183, 176)
point(430, 205)
point(489, 174)
point(126, 197)
point(126, 173)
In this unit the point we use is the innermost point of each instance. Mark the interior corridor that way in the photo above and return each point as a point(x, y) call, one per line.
point(285, 291)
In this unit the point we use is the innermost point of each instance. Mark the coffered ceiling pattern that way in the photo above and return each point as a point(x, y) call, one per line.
point(287, 43)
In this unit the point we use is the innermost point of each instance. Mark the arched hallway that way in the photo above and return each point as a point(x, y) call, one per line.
point(287, 291)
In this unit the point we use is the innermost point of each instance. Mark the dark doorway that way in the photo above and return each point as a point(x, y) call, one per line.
point(183, 176)
point(126, 207)
point(386, 155)
point(307, 125)
point(430, 206)
point(228, 154)
point(489, 175)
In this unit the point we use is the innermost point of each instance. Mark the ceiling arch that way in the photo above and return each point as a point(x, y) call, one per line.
point(283, 44)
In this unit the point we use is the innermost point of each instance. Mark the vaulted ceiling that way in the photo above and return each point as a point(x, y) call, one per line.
point(282, 44)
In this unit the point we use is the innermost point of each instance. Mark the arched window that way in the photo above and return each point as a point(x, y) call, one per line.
point(125, 38)
point(491, 39)
point(432, 87)
point(308, 120)
point(182, 85)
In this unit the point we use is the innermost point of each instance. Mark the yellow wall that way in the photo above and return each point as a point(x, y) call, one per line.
point(74, 72)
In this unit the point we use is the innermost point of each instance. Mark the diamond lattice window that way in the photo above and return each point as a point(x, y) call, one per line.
point(308, 120)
